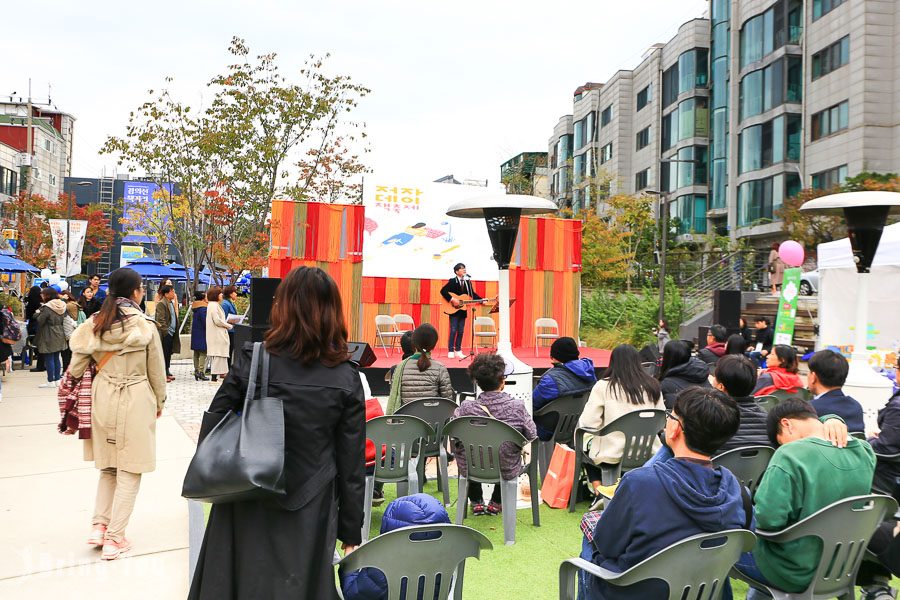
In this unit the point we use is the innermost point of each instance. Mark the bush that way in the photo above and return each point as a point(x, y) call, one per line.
point(613, 318)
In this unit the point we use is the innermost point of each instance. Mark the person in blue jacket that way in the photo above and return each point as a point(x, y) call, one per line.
point(569, 375)
point(655, 507)
point(418, 509)
point(827, 374)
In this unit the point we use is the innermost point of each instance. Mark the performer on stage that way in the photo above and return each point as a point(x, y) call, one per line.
point(459, 285)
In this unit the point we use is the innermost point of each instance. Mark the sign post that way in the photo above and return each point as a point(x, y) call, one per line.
point(787, 306)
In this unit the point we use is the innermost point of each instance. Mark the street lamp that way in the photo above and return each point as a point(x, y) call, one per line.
point(662, 214)
point(866, 214)
point(69, 202)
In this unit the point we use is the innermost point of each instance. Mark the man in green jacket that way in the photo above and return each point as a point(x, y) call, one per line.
point(806, 474)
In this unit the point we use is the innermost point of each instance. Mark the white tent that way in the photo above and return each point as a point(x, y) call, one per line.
point(837, 292)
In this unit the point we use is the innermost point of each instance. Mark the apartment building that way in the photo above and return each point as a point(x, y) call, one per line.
point(738, 112)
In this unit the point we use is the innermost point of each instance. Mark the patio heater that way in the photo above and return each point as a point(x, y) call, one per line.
point(866, 214)
point(501, 214)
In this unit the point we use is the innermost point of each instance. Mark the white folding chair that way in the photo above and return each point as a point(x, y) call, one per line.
point(404, 322)
point(386, 329)
point(487, 332)
point(541, 324)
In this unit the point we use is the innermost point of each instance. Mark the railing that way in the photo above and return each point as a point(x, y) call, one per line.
point(743, 270)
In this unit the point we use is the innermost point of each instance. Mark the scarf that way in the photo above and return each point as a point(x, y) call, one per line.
point(396, 382)
point(122, 302)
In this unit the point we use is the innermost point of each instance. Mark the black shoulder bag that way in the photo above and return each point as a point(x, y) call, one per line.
point(242, 458)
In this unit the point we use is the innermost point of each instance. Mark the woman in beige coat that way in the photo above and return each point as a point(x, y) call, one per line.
point(624, 388)
point(217, 329)
point(127, 397)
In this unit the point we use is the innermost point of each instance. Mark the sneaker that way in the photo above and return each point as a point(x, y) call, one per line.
point(878, 592)
point(97, 535)
point(451, 354)
point(607, 491)
point(377, 498)
point(113, 550)
point(478, 509)
point(47, 384)
point(494, 508)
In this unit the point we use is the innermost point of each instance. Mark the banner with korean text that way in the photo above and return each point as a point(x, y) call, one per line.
point(786, 316)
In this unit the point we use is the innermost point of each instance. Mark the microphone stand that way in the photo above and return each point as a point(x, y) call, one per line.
point(471, 353)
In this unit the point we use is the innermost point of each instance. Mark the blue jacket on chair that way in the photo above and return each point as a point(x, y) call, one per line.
point(563, 379)
point(418, 509)
point(835, 402)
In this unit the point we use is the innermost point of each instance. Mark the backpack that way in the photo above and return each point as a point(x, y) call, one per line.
point(10, 332)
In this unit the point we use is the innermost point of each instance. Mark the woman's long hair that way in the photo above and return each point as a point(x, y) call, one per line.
point(122, 284)
point(675, 353)
point(308, 319)
point(736, 344)
point(626, 374)
point(424, 338)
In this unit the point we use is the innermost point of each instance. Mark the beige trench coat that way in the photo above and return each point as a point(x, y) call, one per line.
point(127, 393)
point(216, 331)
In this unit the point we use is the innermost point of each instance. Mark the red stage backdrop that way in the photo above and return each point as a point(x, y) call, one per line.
point(545, 274)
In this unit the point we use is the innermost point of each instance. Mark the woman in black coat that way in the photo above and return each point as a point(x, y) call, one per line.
point(680, 370)
point(283, 548)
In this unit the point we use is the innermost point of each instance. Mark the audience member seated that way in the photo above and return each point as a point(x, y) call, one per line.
point(680, 370)
point(489, 371)
point(875, 577)
point(408, 349)
point(887, 441)
point(624, 388)
point(827, 374)
point(715, 345)
point(418, 509)
point(655, 507)
point(569, 375)
point(806, 474)
point(418, 376)
point(736, 376)
point(781, 373)
point(736, 344)
point(762, 341)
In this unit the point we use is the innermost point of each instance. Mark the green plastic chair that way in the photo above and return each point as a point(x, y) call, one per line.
point(859, 435)
point(640, 428)
point(481, 438)
point(844, 528)
point(695, 568)
point(747, 464)
point(430, 555)
point(568, 410)
point(395, 437)
point(767, 403)
point(886, 458)
point(436, 412)
point(801, 393)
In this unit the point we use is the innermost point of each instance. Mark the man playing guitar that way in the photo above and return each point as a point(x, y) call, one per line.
point(459, 285)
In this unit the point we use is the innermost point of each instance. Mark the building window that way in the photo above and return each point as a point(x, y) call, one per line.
point(641, 180)
point(833, 57)
point(823, 7)
point(606, 153)
point(831, 120)
point(670, 85)
point(643, 98)
point(689, 213)
point(578, 131)
point(606, 116)
point(760, 199)
point(692, 69)
point(758, 37)
point(768, 143)
point(578, 168)
point(693, 118)
point(9, 182)
point(643, 138)
point(830, 178)
point(564, 149)
point(770, 87)
point(51, 178)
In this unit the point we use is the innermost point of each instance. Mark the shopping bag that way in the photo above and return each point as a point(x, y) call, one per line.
point(557, 484)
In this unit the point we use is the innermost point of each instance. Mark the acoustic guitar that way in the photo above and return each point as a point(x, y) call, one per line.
point(465, 300)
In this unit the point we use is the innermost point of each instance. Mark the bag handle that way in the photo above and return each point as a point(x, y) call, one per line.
point(251, 383)
point(264, 392)
point(105, 359)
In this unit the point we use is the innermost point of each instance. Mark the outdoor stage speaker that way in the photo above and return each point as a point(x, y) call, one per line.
point(262, 293)
point(727, 308)
point(361, 353)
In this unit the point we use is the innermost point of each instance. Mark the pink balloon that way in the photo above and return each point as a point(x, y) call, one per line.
point(791, 253)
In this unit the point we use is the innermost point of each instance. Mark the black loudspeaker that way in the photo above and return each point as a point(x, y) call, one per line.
point(702, 332)
point(361, 353)
point(727, 308)
point(262, 293)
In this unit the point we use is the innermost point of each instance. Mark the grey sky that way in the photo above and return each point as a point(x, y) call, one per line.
point(456, 87)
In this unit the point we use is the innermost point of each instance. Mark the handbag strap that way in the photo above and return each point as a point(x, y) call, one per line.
point(105, 360)
point(264, 392)
point(251, 382)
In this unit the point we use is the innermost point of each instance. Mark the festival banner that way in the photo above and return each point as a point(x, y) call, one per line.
point(787, 306)
point(68, 244)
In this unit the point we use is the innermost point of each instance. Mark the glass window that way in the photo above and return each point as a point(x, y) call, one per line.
point(606, 153)
point(795, 22)
point(670, 85)
point(693, 118)
point(641, 180)
point(794, 136)
point(830, 120)
point(701, 71)
point(750, 149)
point(719, 133)
point(826, 180)
point(670, 129)
point(643, 138)
point(643, 98)
point(578, 168)
point(589, 128)
point(719, 183)
point(831, 58)
point(687, 71)
point(589, 167)
point(794, 79)
point(823, 7)
point(579, 134)
point(776, 142)
point(606, 116)
point(751, 94)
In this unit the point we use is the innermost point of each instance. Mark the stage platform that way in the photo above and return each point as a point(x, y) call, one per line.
point(540, 362)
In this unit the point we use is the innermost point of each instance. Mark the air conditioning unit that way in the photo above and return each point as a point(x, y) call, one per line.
point(23, 159)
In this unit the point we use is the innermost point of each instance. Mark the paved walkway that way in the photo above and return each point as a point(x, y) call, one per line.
point(47, 497)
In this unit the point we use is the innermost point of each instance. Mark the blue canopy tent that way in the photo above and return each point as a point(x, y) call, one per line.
point(11, 264)
point(152, 268)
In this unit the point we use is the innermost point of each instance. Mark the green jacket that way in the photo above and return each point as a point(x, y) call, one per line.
point(163, 318)
point(802, 478)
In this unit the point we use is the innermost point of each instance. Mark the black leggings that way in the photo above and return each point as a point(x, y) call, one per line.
point(476, 493)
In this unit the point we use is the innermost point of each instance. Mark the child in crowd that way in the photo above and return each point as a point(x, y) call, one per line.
point(489, 371)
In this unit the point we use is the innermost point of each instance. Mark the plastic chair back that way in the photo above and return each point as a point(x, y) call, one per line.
point(782, 395)
point(569, 409)
point(434, 411)
point(422, 555)
point(695, 568)
point(747, 464)
point(395, 437)
point(481, 438)
point(640, 428)
point(767, 403)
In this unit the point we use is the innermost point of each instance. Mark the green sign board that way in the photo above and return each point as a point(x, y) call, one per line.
point(787, 306)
